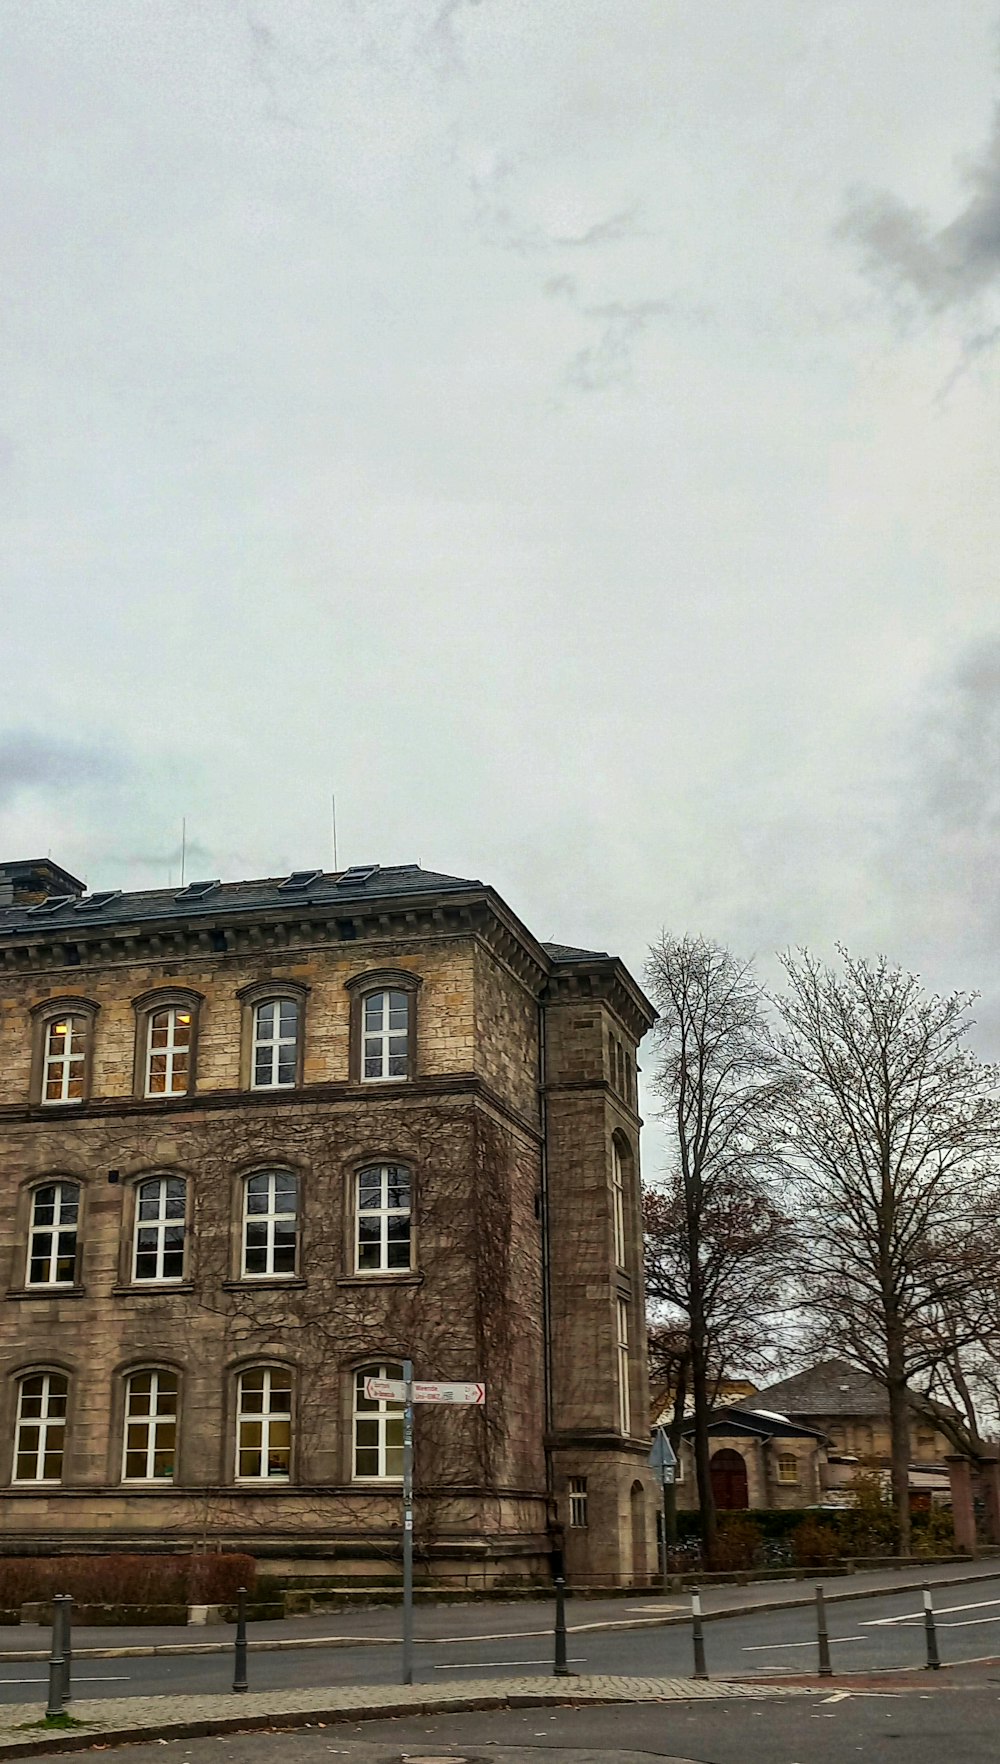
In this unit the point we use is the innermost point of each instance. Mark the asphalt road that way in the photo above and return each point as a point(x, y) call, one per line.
point(916, 1726)
point(875, 1634)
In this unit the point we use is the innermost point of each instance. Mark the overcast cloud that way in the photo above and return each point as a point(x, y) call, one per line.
point(567, 432)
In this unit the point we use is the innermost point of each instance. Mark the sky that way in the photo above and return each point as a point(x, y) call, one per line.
point(568, 433)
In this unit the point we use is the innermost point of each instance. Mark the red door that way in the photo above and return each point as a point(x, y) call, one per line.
point(729, 1479)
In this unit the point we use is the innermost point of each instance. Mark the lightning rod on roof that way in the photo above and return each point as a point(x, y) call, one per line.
point(184, 840)
point(333, 823)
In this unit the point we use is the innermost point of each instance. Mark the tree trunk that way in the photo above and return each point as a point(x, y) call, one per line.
point(674, 1436)
point(899, 1424)
point(702, 1449)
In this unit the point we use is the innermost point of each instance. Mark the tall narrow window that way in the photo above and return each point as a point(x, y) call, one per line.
point(788, 1467)
point(168, 1051)
point(624, 1404)
point(275, 1043)
point(578, 1501)
point(378, 1430)
point(270, 1224)
point(386, 1035)
point(55, 1213)
point(264, 1425)
point(150, 1447)
point(65, 1059)
point(383, 1239)
point(159, 1229)
point(618, 1204)
point(40, 1433)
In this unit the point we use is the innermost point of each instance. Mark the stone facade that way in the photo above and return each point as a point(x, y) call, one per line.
point(757, 1461)
point(514, 1119)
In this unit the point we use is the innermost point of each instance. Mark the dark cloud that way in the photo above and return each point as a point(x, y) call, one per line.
point(33, 762)
point(945, 267)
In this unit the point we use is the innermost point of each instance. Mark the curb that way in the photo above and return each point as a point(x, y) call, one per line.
point(669, 1620)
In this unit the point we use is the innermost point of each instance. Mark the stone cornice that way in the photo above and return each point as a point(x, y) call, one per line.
point(607, 980)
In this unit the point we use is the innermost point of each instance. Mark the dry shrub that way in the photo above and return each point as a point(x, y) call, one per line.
point(202, 1579)
point(815, 1545)
point(738, 1546)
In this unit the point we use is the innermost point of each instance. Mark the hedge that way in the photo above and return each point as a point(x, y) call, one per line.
point(197, 1578)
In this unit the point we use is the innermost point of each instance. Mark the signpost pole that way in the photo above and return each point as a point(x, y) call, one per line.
point(408, 1523)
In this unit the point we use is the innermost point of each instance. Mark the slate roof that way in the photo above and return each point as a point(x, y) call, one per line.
point(834, 1387)
point(759, 1423)
point(329, 887)
point(565, 952)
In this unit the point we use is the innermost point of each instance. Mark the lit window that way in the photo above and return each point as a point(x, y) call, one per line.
point(40, 1434)
point(618, 1204)
point(264, 1425)
point(275, 1044)
point(159, 1229)
point(55, 1213)
point(788, 1467)
point(386, 1035)
point(168, 1051)
point(65, 1050)
point(150, 1427)
point(378, 1430)
point(270, 1224)
point(624, 1404)
point(578, 1501)
point(383, 1239)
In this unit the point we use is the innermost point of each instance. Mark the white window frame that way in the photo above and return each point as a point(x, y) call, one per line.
point(383, 1212)
point(158, 1225)
point(618, 1206)
point(71, 1063)
point(178, 1017)
point(785, 1481)
point(156, 1422)
point(266, 1416)
point(58, 1228)
point(624, 1394)
point(381, 1412)
point(272, 1044)
point(376, 1043)
point(271, 1217)
point(578, 1503)
point(46, 1422)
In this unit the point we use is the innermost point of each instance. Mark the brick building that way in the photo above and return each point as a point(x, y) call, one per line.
point(259, 1140)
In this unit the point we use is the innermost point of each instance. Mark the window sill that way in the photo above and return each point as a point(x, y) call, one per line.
point(152, 1288)
point(46, 1292)
point(264, 1283)
point(388, 1278)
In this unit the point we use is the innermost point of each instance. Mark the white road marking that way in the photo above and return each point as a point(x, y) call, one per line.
point(464, 1665)
point(942, 1611)
point(768, 1647)
point(78, 1678)
point(838, 1697)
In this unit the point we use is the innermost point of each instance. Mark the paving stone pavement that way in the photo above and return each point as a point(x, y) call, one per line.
point(130, 1718)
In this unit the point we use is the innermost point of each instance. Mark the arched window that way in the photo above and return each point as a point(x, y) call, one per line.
point(65, 1058)
point(383, 1219)
point(270, 1223)
point(40, 1431)
point(150, 1445)
point(385, 1035)
point(160, 1206)
point(264, 1425)
point(275, 1044)
point(618, 1204)
point(378, 1429)
point(788, 1467)
point(169, 1033)
point(52, 1244)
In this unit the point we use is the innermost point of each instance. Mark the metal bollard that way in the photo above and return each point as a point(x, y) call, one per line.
point(240, 1662)
point(933, 1657)
point(64, 1604)
point(822, 1636)
point(561, 1668)
point(700, 1669)
point(57, 1666)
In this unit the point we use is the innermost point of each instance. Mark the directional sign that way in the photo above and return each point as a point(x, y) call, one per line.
point(393, 1390)
point(662, 1457)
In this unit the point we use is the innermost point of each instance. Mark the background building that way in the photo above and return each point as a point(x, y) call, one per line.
point(262, 1139)
point(852, 1410)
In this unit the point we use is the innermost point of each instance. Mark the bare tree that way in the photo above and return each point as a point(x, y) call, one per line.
point(894, 1127)
point(716, 1234)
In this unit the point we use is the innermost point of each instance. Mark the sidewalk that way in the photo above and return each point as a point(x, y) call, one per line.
point(123, 1719)
point(380, 1625)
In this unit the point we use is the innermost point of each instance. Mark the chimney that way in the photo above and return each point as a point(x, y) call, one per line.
point(31, 880)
